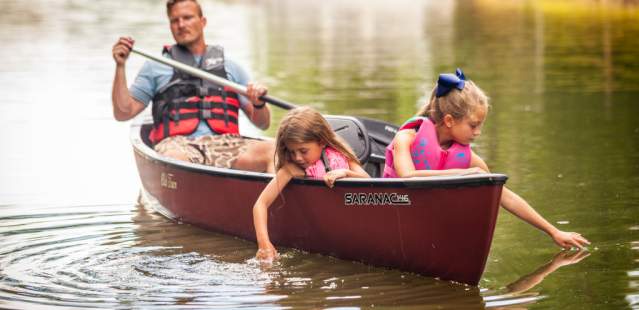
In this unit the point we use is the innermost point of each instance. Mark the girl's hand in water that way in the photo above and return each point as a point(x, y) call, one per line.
point(568, 240)
point(331, 176)
point(267, 254)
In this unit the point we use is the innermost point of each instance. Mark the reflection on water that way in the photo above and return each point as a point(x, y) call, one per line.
point(561, 76)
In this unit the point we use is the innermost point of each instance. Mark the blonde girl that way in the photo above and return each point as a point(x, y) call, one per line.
point(436, 142)
point(305, 146)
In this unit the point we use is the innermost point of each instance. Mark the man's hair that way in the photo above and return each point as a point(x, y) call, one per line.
point(171, 3)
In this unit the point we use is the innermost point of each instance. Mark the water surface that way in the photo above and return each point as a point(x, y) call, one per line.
point(564, 126)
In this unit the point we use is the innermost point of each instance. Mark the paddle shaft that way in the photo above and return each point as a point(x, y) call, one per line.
point(211, 77)
point(377, 128)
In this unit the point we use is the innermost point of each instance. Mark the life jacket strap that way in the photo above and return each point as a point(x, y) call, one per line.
point(201, 115)
point(327, 166)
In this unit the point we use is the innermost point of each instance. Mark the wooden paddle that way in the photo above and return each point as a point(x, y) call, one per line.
point(381, 132)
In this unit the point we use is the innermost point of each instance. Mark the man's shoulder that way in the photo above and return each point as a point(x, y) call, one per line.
point(235, 71)
point(232, 64)
point(155, 68)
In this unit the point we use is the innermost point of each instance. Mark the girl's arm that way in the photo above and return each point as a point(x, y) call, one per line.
point(266, 250)
point(354, 170)
point(520, 208)
point(403, 161)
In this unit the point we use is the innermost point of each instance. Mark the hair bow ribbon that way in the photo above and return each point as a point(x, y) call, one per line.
point(448, 81)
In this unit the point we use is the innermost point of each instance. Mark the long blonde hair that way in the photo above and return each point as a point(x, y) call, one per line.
point(303, 125)
point(456, 103)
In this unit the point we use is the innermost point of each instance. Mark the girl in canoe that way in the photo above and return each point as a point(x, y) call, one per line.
point(305, 146)
point(436, 142)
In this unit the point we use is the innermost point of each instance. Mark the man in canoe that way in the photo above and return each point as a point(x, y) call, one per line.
point(193, 119)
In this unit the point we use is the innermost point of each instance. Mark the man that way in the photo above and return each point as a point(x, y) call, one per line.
point(193, 119)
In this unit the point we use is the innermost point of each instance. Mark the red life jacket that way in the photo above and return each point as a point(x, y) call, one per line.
point(184, 101)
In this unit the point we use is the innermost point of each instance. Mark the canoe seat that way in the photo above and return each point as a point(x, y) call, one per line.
point(380, 134)
point(349, 128)
point(354, 133)
point(369, 149)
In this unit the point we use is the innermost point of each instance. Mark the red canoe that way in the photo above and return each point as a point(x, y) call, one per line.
point(438, 226)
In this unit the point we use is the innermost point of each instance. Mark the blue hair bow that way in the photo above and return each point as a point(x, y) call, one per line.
point(448, 81)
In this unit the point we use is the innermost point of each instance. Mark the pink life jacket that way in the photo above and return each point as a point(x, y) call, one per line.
point(331, 160)
point(426, 152)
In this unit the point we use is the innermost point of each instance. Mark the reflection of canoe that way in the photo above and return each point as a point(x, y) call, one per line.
point(440, 227)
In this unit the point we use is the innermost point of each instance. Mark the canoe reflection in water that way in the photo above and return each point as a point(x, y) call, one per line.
point(221, 269)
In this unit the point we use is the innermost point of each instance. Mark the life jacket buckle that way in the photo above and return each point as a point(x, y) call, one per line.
point(206, 114)
point(205, 109)
point(202, 91)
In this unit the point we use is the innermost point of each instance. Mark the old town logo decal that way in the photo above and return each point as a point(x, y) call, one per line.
point(166, 180)
point(376, 199)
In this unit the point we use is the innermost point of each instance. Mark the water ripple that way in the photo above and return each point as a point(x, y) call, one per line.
point(120, 256)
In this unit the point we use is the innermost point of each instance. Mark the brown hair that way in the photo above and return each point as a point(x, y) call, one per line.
point(171, 3)
point(456, 103)
point(303, 125)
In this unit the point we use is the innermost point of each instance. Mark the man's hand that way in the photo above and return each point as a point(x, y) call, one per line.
point(254, 91)
point(122, 49)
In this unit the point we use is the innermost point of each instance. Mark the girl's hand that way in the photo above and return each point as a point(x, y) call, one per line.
point(267, 254)
point(331, 176)
point(568, 240)
point(473, 170)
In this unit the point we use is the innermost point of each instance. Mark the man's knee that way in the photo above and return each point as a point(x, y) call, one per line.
point(265, 150)
point(256, 147)
point(182, 155)
point(179, 148)
point(258, 156)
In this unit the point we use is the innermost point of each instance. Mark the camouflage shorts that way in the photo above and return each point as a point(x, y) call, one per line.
point(213, 150)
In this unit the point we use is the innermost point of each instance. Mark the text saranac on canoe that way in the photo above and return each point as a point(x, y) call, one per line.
point(376, 199)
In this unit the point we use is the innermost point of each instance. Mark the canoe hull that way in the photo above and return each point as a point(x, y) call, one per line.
point(440, 227)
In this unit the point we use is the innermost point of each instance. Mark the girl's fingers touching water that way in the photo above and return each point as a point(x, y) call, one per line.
point(569, 240)
point(268, 254)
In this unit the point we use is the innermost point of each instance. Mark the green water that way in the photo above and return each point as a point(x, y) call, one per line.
point(564, 126)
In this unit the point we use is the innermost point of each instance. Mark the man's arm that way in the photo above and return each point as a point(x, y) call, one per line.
point(124, 106)
point(250, 105)
point(258, 112)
